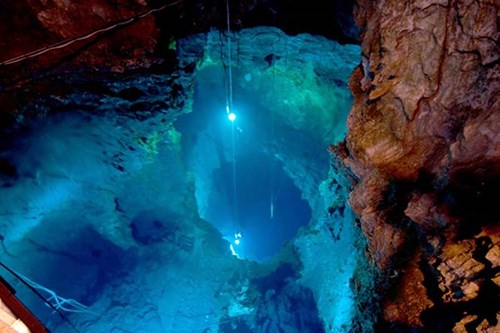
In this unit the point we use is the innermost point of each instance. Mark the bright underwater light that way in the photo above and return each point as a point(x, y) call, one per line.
point(231, 116)
point(236, 241)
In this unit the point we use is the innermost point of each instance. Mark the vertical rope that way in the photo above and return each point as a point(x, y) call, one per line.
point(237, 225)
point(229, 106)
point(272, 163)
point(224, 67)
point(229, 109)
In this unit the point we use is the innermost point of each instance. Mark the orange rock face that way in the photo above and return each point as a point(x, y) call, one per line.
point(424, 142)
point(411, 298)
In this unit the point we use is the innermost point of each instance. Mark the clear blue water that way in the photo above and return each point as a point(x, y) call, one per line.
point(100, 201)
point(260, 200)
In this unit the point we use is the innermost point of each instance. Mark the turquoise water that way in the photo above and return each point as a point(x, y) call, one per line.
point(126, 197)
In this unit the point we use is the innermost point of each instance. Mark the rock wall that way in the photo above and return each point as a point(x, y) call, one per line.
point(423, 144)
point(117, 35)
point(31, 25)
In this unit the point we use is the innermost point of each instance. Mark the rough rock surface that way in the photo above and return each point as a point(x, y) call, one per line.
point(423, 143)
point(140, 40)
point(296, 87)
point(141, 260)
point(174, 274)
point(30, 25)
point(422, 148)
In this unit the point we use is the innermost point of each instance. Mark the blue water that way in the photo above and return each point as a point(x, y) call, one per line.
point(248, 190)
point(100, 201)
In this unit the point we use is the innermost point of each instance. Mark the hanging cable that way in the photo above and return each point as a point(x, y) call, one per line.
point(68, 42)
point(229, 106)
point(237, 226)
point(271, 159)
point(39, 295)
point(232, 117)
point(224, 67)
point(272, 168)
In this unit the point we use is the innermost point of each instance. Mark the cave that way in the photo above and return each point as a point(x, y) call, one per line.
point(239, 190)
point(253, 166)
point(243, 185)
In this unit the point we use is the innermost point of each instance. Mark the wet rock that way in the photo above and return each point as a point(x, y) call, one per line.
point(460, 326)
point(385, 240)
point(459, 272)
point(51, 22)
point(401, 131)
point(424, 119)
point(424, 210)
point(493, 255)
point(104, 35)
point(411, 298)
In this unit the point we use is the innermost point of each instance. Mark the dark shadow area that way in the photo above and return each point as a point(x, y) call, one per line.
point(150, 227)
point(473, 197)
point(284, 304)
point(332, 19)
point(385, 327)
point(280, 305)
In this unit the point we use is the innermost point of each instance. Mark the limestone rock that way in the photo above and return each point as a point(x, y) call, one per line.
point(424, 210)
point(493, 254)
point(47, 23)
point(146, 40)
point(411, 299)
point(423, 141)
point(459, 271)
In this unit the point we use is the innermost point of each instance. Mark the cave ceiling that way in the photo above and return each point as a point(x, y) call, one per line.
point(110, 35)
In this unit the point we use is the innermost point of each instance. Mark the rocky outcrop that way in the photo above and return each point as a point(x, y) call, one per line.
point(104, 35)
point(423, 142)
point(30, 26)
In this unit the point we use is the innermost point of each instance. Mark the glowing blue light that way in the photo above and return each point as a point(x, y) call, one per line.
point(231, 116)
point(237, 241)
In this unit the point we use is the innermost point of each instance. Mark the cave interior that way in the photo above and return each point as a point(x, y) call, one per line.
point(249, 166)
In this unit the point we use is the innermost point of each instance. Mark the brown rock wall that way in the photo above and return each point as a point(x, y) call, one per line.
point(30, 25)
point(411, 298)
point(423, 141)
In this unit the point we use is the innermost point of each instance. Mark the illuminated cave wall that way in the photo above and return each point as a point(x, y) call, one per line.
point(287, 90)
point(102, 190)
point(95, 179)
